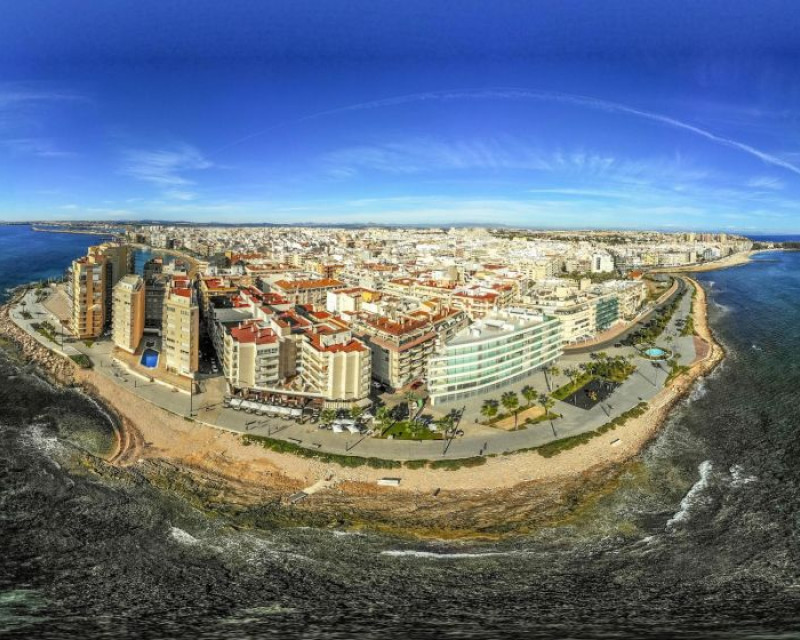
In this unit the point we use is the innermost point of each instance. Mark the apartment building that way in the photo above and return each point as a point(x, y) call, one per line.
point(493, 353)
point(337, 365)
point(128, 312)
point(251, 355)
point(312, 292)
point(401, 347)
point(118, 264)
point(87, 292)
point(181, 328)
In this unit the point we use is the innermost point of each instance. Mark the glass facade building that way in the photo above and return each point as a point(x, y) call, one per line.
point(491, 353)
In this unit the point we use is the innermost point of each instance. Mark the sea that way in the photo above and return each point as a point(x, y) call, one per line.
point(700, 538)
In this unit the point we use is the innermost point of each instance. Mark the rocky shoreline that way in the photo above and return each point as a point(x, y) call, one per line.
point(216, 472)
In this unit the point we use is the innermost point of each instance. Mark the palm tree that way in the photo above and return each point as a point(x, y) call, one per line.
point(489, 408)
point(554, 372)
point(510, 401)
point(570, 373)
point(355, 412)
point(529, 393)
point(445, 423)
point(547, 403)
point(410, 397)
point(327, 416)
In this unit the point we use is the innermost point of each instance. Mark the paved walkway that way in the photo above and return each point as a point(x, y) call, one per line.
point(206, 406)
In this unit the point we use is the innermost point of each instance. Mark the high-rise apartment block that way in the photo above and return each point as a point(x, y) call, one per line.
point(128, 318)
point(87, 293)
point(181, 328)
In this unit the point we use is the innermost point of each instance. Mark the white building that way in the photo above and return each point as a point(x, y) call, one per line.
point(499, 349)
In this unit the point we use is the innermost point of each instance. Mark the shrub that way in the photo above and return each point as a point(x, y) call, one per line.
point(458, 463)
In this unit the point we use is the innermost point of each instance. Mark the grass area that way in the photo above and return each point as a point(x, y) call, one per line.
point(562, 393)
point(529, 422)
point(557, 446)
point(84, 362)
point(411, 430)
point(281, 446)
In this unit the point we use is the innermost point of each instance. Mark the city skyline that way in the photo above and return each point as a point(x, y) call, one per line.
point(530, 116)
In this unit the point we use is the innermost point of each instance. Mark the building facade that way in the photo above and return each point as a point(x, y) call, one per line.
point(128, 312)
point(87, 293)
point(181, 329)
point(493, 353)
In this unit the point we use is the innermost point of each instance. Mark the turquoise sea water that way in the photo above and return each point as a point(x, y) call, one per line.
point(700, 539)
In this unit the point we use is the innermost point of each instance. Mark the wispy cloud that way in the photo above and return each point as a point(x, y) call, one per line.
point(166, 168)
point(38, 147)
point(514, 93)
point(766, 182)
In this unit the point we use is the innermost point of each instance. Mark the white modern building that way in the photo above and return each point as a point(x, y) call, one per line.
point(493, 352)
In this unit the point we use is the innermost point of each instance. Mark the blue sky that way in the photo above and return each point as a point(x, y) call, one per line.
point(678, 115)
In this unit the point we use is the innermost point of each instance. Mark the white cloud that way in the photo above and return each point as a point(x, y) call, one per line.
point(38, 147)
point(166, 168)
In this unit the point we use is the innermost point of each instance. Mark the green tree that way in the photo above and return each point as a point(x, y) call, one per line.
point(489, 408)
point(327, 416)
point(510, 401)
point(530, 394)
point(553, 372)
point(355, 412)
point(383, 415)
point(547, 403)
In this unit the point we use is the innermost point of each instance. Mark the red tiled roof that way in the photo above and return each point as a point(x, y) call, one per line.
point(308, 284)
point(251, 332)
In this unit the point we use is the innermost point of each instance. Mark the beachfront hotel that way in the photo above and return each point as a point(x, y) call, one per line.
point(87, 293)
point(497, 350)
point(181, 328)
point(129, 308)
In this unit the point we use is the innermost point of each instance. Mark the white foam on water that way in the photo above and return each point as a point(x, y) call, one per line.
point(700, 389)
point(694, 495)
point(182, 536)
point(739, 477)
point(35, 437)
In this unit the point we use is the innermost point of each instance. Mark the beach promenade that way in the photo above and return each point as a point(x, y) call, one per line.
point(205, 407)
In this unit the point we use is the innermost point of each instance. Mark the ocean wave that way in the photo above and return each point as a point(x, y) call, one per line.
point(694, 495)
point(699, 390)
point(739, 477)
point(35, 437)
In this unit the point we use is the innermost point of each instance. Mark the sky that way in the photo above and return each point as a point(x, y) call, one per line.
point(560, 114)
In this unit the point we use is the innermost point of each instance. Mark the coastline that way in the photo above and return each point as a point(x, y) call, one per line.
point(736, 260)
point(508, 493)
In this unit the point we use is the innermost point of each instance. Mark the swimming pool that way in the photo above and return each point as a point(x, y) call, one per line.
point(654, 353)
point(150, 358)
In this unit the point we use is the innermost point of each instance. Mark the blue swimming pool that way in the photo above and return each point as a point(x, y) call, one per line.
point(655, 352)
point(150, 358)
